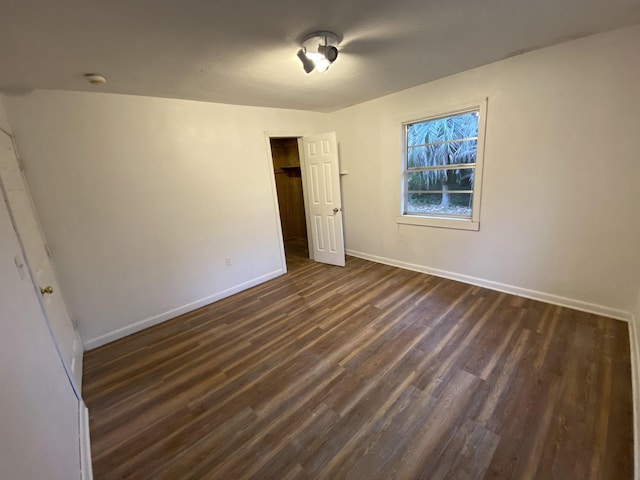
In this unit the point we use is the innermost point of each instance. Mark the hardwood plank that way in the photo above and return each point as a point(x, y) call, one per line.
point(364, 372)
point(468, 453)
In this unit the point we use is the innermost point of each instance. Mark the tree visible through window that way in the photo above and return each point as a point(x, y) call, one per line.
point(440, 165)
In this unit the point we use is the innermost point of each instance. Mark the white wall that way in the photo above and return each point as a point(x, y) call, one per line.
point(561, 193)
point(141, 200)
point(4, 120)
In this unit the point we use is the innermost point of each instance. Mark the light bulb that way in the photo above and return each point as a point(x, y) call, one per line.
point(322, 64)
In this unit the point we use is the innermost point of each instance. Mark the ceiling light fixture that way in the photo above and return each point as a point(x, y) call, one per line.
point(319, 50)
point(95, 79)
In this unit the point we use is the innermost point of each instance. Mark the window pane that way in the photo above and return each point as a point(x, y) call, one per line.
point(440, 160)
point(455, 204)
point(461, 179)
point(442, 154)
point(464, 125)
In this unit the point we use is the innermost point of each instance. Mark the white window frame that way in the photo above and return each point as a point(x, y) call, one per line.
point(444, 221)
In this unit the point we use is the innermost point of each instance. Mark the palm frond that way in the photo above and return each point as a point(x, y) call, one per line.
point(441, 142)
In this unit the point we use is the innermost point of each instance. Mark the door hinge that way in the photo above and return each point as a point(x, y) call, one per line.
point(46, 249)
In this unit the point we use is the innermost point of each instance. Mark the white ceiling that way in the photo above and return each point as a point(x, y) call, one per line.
point(243, 51)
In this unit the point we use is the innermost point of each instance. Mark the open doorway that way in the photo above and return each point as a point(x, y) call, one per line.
point(288, 178)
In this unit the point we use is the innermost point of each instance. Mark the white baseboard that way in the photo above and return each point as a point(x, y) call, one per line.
point(162, 317)
point(501, 287)
point(634, 342)
point(86, 468)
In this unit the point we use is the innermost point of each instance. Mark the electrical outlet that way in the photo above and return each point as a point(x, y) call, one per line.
point(227, 261)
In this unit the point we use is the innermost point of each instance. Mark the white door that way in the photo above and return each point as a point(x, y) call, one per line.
point(39, 410)
point(42, 273)
point(324, 197)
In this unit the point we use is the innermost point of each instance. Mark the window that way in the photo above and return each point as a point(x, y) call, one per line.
point(443, 168)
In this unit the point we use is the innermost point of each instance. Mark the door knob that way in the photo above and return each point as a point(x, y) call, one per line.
point(45, 290)
point(336, 210)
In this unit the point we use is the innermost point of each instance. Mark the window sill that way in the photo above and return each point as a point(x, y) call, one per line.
point(439, 222)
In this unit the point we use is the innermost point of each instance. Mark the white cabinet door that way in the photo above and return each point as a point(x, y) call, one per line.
point(27, 225)
point(39, 424)
point(324, 197)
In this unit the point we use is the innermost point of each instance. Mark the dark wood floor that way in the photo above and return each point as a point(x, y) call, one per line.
point(366, 372)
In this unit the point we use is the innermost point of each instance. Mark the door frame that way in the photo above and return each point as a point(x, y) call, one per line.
point(268, 135)
point(77, 388)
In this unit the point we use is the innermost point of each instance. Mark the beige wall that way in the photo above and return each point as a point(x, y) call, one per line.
point(141, 200)
point(561, 191)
